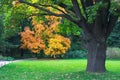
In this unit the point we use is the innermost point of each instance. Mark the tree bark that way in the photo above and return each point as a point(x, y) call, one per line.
point(96, 56)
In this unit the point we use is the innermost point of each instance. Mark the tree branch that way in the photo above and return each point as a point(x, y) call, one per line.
point(45, 5)
point(77, 9)
point(112, 20)
point(50, 12)
point(84, 8)
point(41, 8)
point(66, 7)
point(70, 11)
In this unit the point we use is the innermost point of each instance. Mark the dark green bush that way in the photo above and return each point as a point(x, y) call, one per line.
point(76, 54)
point(6, 58)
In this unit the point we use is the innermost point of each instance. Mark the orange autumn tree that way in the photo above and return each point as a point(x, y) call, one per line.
point(30, 41)
point(44, 37)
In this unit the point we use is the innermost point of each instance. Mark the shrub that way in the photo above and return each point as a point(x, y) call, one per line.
point(76, 54)
point(6, 58)
point(113, 53)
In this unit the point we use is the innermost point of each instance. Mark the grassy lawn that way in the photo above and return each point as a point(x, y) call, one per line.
point(57, 70)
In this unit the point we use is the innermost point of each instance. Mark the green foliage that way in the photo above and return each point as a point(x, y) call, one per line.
point(11, 21)
point(6, 58)
point(114, 6)
point(5, 33)
point(114, 38)
point(18, 14)
point(2, 41)
point(67, 2)
point(76, 54)
point(5, 46)
point(10, 28)
point(68, 28)
point(73, 31)
point(92, 11)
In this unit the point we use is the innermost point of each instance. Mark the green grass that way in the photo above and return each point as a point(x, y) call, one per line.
point(57, 70)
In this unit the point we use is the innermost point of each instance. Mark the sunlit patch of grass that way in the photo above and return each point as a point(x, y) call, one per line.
point(57, 70)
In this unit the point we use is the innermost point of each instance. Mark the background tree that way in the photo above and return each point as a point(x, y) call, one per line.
point(1, 33)
point(7, 30)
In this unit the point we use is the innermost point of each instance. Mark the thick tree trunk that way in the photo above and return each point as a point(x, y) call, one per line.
point(96, 56)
